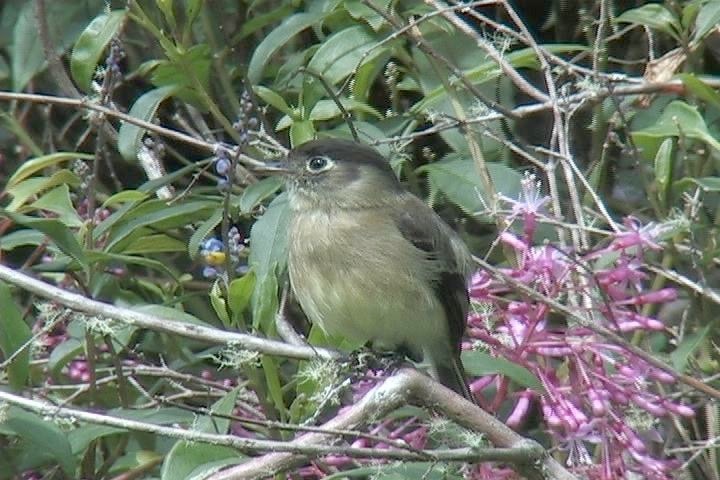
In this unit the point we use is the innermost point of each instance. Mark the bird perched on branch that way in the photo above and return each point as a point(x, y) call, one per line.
point(371, 262)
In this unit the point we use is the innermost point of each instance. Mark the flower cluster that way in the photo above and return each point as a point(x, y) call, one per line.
point(213, 254)
point(597, 399)
point(246, 122)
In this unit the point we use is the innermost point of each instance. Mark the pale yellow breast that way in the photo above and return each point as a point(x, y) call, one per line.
point(356, 276)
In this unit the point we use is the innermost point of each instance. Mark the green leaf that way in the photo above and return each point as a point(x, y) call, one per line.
point(56, 230)
point(217, 300)
point(30, 167)
point(31, 187)
point(185, 460)
point(144, 108)
point(265, 302)
point(360, 11)
point(239, 293)
point(44, 436)
point(652, 15)
point(91, 44)
point(678, 119)
point(154, 244)
point(81, 437)
point(58, 201)
point(663, 169)
point(20, 238)
point(63, 353)
point(339, 56)
point(301, 131)
point(202, 232)
point(65, 20)
point(256, 193)
point(708, 184)
point(328, 109)
point(183, 71)
point(159, 216)
point(688, 346)
point(272, 98)
point(268, 239)
point(276, 39)
point(479, 363)
point(700, 88)
point(706, 20)
point(14, 333)
point(456, 178)
point(489, 70)
point(124, 197)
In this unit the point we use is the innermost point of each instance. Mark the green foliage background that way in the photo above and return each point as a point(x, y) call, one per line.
point(636, 82)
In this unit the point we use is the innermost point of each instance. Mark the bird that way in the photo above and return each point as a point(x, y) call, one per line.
point(371, 262)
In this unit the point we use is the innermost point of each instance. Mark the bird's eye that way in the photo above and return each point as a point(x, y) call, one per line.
point(318, 164)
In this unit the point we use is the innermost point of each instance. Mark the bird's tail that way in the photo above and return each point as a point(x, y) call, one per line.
point(448, 370)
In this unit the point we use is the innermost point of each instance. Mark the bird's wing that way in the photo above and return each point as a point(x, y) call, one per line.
point(422, 227)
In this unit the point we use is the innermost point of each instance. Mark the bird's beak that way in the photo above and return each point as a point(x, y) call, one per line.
point(273, 168)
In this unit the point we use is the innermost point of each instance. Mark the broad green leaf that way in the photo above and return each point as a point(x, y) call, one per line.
point(678, 119)
point(265, 301)
point(158, 215)
point(14, 333)
point(273, 99)
point(360, 11)
point(700, 88)
point(106, 258)
point(276, 39)
point(268, 239)
point(456, 178)
point(268, 259)
point(183, 71)
point(154, 244)
point(258, 21)
point(26, 190)
point(18, 238)
point(652, 15)
point(256, 193)
point(339, 56)
point(708, 184)
point(124, 197)
point(663, 169)
point(706, 20)
point(65, 20)
point(479, 363)
point(688, 346)
point(58, 201)
point(186, 460)
point(91, 44)
point(328, 109)
point(56, 230)
point(30, 167)
point(44, 435)
point(63, 353)
point(489, 70)
point(301, 131)
point(225, 407)
point(239, 293)
point(144, 108)
point(81, 437)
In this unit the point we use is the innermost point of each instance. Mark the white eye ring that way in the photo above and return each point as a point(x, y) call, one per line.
point(319, 163)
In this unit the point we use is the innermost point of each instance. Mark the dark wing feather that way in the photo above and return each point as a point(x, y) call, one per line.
point(422, 227)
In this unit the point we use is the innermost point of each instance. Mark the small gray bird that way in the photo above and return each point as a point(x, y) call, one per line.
point(369, 261)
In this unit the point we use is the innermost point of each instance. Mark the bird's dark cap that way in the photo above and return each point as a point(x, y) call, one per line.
point(341, 150)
